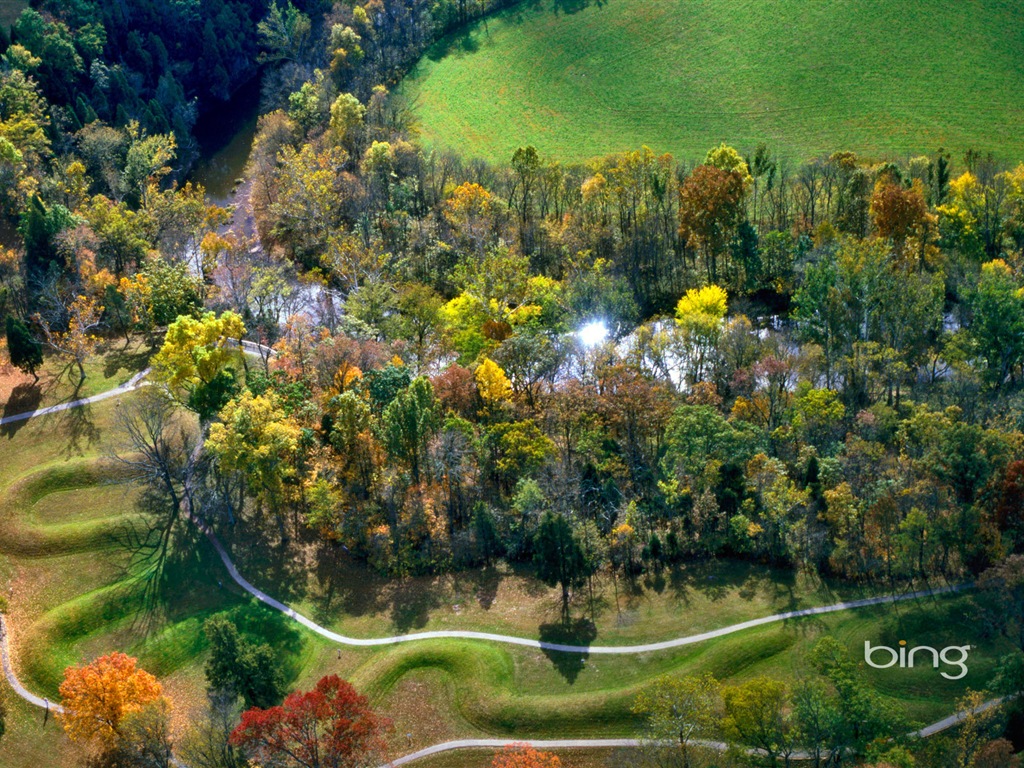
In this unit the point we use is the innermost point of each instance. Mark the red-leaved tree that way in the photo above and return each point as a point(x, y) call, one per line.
point(331, 726)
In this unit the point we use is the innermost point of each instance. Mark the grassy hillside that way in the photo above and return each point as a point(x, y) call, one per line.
point(581, 78)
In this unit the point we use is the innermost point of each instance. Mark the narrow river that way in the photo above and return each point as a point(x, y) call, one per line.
point(225, 137)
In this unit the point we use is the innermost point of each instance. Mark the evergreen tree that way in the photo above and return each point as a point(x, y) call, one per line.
point(25, 352)
point(560, 558)
point(241, 667)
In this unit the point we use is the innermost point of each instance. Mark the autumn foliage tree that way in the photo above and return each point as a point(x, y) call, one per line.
point(77, 341)
point(680, 709)
point(470, 211)
point(101, 697)
point(900, 213)
point(524, 756)
point(699, 316)
point(710, 208)
point(194, 358)
point(331, 726)
point(257, 439)
point(492, 383)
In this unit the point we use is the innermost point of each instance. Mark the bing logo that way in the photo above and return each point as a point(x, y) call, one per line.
point(953, 656)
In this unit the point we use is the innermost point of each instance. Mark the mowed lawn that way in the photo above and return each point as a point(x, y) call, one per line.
point(579, 78)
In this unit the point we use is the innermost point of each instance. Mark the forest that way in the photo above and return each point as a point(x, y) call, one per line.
point(428, 364)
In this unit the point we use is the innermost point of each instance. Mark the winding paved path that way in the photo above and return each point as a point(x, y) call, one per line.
point(138, 380)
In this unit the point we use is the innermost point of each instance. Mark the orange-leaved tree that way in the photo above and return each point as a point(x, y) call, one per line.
point(99, 697)
point(524, 756)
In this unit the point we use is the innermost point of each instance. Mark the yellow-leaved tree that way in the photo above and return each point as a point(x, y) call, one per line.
point(471, 212)
point(699, 316)
point(492, 383)
point(196, 350)
point(256, 438)
point(193, 361)
point(75, 344)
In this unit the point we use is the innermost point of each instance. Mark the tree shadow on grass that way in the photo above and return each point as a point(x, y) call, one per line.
point(469, 37)
point(530, 584)
point(703, 577)
point(166, 570)
point(716, 580)
point(127, 359)
point(656, 581)
point(174, 575)
point(679, 583)
point(276, 566)
point(411, 605)
point(342, 586)
point(24, 398)
point(569, 7)
point(286, 574)
point(329, 590)
point(579, 631)
point(479, 584)
point(488, 583)
point(306, 568)
point(79, 430)
point(458, 43)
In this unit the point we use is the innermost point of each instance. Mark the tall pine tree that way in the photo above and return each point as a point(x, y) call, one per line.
point(25, 352)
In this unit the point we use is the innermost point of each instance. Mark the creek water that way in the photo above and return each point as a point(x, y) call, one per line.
point(225, 135)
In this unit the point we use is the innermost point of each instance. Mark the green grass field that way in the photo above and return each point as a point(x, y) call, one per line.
point(67, 571)
point(584, 78)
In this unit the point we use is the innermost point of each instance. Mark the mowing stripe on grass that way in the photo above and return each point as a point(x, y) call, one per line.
point(580, 79)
